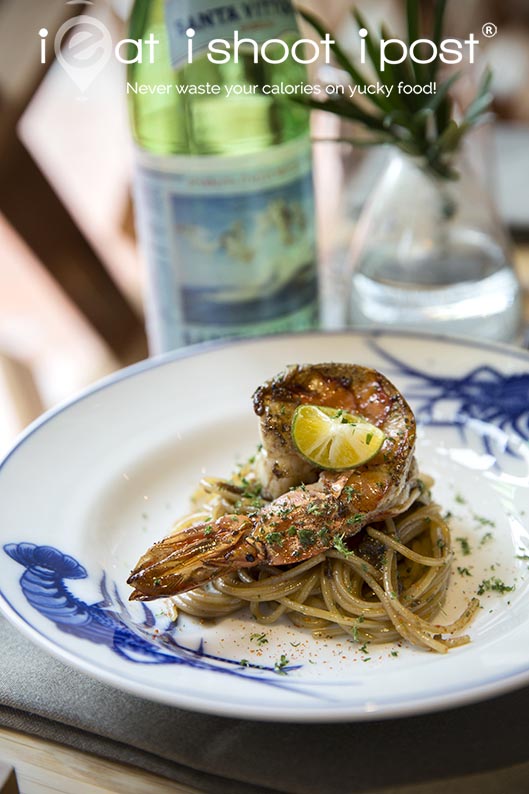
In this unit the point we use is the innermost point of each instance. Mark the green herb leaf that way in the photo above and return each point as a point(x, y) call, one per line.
point(420, 125)
point(260, 639)
point(465, 546)
point(494, 585)
point(339, 545)
point(279, 666)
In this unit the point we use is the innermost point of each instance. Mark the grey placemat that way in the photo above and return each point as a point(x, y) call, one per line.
point(40, 696)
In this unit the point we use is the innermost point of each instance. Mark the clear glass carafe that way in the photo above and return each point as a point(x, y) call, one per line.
point(430, 253)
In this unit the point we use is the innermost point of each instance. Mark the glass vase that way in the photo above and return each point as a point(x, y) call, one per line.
point(430, 253)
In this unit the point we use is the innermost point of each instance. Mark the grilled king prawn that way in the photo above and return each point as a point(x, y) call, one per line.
point(309, 508)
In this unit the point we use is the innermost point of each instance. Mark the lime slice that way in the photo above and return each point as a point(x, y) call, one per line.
point(334, 439)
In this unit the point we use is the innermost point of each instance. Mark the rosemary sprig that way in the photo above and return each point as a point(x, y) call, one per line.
point(421, 125)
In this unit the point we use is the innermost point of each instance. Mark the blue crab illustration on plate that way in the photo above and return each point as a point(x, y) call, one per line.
point(484, 399)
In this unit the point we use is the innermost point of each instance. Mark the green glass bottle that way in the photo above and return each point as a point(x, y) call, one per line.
point(223, 188)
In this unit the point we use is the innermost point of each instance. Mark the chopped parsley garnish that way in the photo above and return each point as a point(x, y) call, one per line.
point(460, 499)
point(349, 492)
point(291, 530)
point(208, 529)
point(360, 619)
point(394, 653)
point(339, 545)
point(307, 537)
point(275, 538)
point(355, 519)
point(363, 648)
point(487, 537)
point(463, 571)
point(494, 585)
point(252, 490)
point(157, 582)
point(485, 522)
point(465, 546)
point(260, 639)
point(279, 666)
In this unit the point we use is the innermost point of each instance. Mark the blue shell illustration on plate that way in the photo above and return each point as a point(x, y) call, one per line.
point(109, 622)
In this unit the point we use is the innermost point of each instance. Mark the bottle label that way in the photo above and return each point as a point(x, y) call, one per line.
point(229, 242)
point(256, 19)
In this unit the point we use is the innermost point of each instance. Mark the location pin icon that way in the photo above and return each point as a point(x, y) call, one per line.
point(85, 52)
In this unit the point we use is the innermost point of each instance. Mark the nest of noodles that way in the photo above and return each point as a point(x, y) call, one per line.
point(388, 584)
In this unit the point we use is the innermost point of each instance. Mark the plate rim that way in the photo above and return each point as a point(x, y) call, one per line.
point(327, 713)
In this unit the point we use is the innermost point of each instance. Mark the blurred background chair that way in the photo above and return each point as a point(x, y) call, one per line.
point(20, 402)
point(29, 201)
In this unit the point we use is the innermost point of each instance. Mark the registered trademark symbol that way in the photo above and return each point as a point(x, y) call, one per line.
point(489, 30)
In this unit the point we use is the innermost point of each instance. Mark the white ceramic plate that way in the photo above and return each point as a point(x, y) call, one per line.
point(93, 483)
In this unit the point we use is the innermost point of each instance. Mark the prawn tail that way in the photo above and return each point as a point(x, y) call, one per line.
point(193, 557)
